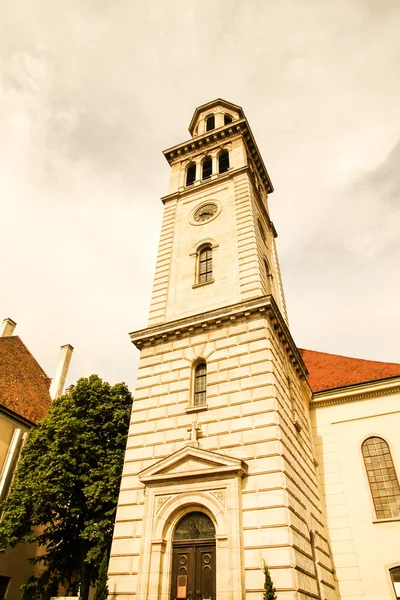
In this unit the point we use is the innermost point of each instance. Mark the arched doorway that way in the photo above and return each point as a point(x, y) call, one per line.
point(193, 558)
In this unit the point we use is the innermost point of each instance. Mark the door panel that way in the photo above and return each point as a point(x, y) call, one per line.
point(196, 563)
point(183, 565)
point(205, 572)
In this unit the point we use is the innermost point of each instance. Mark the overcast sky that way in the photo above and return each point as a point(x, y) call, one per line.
point(92, 91)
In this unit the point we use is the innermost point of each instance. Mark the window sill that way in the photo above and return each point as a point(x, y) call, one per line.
point(199, 408)
point(196, 285)
point(391, 520)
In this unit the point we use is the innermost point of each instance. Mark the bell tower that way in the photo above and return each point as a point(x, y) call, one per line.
point(218, 198)
point(219, 471)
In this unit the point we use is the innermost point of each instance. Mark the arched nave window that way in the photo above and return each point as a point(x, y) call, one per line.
point(200, 384)
point(382, 477)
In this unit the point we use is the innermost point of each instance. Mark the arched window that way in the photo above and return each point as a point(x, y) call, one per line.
point(223, 161)
point(382, 477)
point(262, 232)
point(200, 384)
point(191, 174)
point(267, 268)
point(395, 576)
point(227, 119)
point(194, 526)
point(204, 269)
point(210, 123)
point(207, 167)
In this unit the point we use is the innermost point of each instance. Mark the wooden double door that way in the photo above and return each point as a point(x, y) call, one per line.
point(193, 570)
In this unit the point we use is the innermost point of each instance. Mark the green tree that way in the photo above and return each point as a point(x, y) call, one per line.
point(270, 591)
point(65, 490)
point(101, 592)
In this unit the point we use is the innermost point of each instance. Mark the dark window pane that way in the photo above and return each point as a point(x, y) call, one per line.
point(191, 175)
point(227, 119)
point(210, 123)
point(223, 162)
point(207, 168)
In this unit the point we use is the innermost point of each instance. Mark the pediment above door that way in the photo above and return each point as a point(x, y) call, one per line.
point(191, 463)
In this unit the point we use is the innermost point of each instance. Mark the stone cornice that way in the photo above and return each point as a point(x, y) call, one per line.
point(219, 318)
point(353, 393)
point(209, 183)
point(223, 134)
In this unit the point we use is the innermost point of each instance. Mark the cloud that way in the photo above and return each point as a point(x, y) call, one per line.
point(92, 92)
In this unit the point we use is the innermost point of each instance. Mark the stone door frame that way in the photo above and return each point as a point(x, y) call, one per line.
point(214, 491)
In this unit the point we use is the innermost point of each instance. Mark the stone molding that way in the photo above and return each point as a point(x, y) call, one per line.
point(362, 391)
point(203, 462)
point(189, 326)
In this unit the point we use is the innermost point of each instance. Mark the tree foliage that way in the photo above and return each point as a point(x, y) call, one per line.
point(270, 591)
point(101, 592)
point(65, 489)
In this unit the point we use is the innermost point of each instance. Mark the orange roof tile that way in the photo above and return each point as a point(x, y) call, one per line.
point(330, 371)
point(24, 386)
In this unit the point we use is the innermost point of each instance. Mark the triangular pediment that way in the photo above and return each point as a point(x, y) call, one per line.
point(190, 462)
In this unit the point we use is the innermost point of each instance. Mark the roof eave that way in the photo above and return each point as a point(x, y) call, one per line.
point(359, 391)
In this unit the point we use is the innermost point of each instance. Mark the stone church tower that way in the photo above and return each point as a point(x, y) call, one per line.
point(219, 472)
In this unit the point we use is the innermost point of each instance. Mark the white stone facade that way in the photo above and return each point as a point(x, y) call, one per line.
point(251, 465)
point(277, 469)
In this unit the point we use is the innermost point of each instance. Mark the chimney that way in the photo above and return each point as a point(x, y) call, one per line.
point(58, 381)
point(7, 328)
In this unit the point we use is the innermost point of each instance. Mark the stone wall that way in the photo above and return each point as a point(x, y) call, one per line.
point(249, 417)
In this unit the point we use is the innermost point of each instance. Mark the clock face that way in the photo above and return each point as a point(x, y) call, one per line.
point(205, 212)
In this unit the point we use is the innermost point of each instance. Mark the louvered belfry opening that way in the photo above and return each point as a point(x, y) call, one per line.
point(223, 162)
point(191, 174)
point(207, 167)
point(227, 119)
point(210, 123)
point(200, 384)
point(205, 265)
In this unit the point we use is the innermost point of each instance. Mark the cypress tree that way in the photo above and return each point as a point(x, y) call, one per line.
point(101, 592)
point(270, 591)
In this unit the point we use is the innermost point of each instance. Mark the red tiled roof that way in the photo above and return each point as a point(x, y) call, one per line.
point(24, 386)
point(330, 371)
